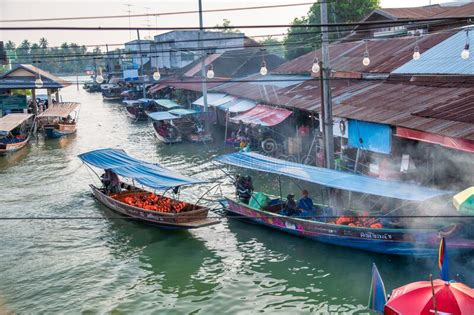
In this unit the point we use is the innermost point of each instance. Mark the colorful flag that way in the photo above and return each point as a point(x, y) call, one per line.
point(443, 261)
point(377, 296)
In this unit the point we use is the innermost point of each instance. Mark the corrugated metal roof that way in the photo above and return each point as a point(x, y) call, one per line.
point(443, 58)
point(385, 55)
point(401, 104)
point(462, 10)
point(414, 12)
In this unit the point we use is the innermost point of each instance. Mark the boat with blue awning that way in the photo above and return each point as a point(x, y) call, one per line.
point(164, 128)
point(350, 228)
point(132, 201)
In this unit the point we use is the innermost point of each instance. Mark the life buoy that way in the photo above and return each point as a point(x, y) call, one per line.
point(269, 145)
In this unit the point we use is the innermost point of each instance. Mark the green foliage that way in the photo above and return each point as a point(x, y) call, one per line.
point(301, 40)
point(229, 29)
point(274, 46)
point(69, 58)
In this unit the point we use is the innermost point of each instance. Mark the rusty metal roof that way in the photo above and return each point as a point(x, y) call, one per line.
point(435, 109)
point(462, 10)
point(385, 55)
point(414, 12)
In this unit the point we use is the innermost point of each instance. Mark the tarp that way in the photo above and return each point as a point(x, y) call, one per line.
point(162, 116)
point(370, 136)
point(166, 103)
point(238, 106)
point(263, 115)
point(331, 178)
point(145, 173)
point(59, 110)
point(181, 112)
point(11, 121)
point(130, 102)
point(449, 142)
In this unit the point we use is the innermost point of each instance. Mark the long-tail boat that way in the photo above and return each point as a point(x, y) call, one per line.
point(60, 119)
point(140, 204)
point(138, 109)
point(323, 228)
point(190, 125)
point(164, 129)
point(15, 131)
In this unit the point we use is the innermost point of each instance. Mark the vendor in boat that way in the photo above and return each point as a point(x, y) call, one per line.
point(111, 181)
point(305, 204)
point(291, 208)
point(244, 188)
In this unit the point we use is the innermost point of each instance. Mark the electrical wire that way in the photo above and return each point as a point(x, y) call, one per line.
point(411, 22)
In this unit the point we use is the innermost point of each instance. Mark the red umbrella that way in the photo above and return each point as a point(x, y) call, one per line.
point(417, 298)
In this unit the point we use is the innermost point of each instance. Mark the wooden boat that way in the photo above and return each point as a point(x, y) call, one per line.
point(111, 92)
point(190, 126)
point(164, 129)
point(15, 130)
point(139, 109)
point(142, 205)
point(397, 241)
point(60, 119)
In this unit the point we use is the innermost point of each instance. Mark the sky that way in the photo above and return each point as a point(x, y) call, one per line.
point(27, 9)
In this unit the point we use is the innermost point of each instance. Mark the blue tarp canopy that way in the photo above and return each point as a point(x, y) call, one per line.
point(331, 178)
point(145, 173)
point(370, 136)
point(162, 116)
point(166, 103)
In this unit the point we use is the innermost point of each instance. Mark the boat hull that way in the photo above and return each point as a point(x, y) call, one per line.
point(185, 220)
point(59, 130)
point(385, 241)
point(136, 114)
point(6, 148)
point(166, 140)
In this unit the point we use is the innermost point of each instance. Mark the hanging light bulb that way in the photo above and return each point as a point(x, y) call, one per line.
point(315, 68)
point(39, 82)
point(416, 53)
point(99, 78)
point(156, 74)
point(263, 69)
point(210, 72)
point(465, 52)
point(366, 60)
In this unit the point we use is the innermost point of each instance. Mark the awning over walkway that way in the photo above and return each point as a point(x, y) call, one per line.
point(59, 110)
point(238, 106)
point(145, 173)
point(263, 115)
point(331, 178)
point(11, 121)
point(449, 142)
point(214, 99)
point(162, 116)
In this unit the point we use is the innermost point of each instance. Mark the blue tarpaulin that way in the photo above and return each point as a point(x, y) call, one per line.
point(181, 112)
point(145, 173)
point(331, 178)
point(162, 116)
point(370, 136)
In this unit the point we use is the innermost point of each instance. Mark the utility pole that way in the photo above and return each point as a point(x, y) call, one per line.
point(327, 106)
point(203, 69)
point(142, 72)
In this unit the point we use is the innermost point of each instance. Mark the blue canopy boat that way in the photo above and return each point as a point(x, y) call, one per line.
point(138, 109)
point(399, 241)
point(165, 130)
point(131, 201)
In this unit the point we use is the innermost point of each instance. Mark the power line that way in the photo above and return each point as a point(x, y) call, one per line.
point(157, 14)
point(412, 22)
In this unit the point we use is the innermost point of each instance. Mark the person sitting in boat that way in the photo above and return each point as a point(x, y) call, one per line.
point(305, 204)
point(111, 181)
point(291, 208)
point(244, 188)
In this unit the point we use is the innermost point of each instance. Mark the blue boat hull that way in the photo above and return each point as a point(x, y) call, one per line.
point(384, 241)
point(56, 134)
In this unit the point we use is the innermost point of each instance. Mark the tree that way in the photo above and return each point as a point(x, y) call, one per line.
point(273, 46)
point(299, 39)
point(10, 45)
point(24, 47)
point(229, 28)
point(43, 43)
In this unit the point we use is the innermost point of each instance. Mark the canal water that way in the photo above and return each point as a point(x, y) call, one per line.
point(104, 265)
